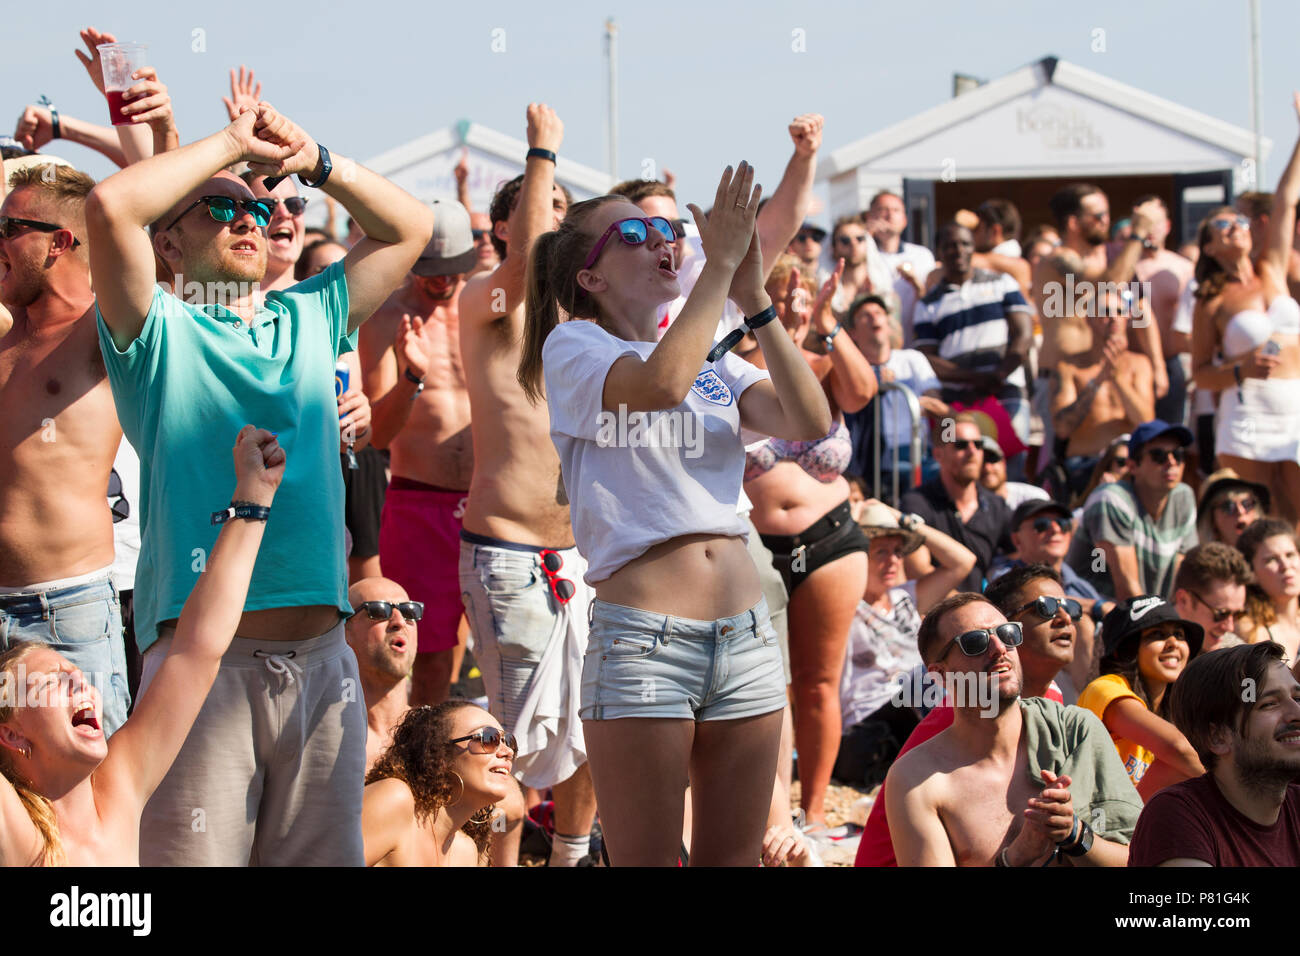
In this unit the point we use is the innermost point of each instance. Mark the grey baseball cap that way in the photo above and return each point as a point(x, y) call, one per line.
point(451, 249)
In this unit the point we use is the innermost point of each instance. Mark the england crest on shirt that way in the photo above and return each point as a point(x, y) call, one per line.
point(710, 387)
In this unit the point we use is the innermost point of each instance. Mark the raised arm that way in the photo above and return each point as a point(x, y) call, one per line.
point(35, 129)
point(397, 226)
point(496, 294)
point(142, 751)
point(786, 210)
point(853, 383)
point(120, 208)
point(1281, 225)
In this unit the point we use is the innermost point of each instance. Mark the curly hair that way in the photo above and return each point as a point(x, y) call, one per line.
point(421, 757)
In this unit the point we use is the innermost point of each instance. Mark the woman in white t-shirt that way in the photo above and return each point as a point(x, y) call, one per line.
point(682, 680)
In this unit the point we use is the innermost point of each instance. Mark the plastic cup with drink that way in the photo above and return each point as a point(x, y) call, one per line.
point(119, 61)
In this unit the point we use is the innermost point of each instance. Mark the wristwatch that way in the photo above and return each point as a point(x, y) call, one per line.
point(910, 522)
point(419, 382)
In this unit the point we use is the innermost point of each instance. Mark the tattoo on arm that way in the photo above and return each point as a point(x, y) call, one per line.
point(1071, 416)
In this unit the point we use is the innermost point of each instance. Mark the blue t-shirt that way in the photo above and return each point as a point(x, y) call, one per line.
point(183, 390)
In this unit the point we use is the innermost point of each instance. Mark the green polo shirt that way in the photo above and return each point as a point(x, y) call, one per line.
point(183, 389)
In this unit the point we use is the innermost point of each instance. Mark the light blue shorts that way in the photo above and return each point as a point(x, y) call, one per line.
point(641, 664)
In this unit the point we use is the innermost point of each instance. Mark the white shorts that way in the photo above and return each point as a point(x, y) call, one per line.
point(1263, 424)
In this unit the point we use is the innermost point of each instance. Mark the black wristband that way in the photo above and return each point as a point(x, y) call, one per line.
point(540, 153)
point(54, 123)
point(327, 167)
point(241, 509)
point(733, 338)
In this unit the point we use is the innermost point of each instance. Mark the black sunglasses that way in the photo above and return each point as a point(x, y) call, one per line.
point(975, 643)
point(383, 610)
point(1229, 507)
point(8, 225)
point(1160, 455)
point(679, 227)
point(489, 739)
point(1119, 461)
point(1045, 524)
point(478, 234)
point(1046, 607)
point(1220, 613)
point(222, 209)
point(121, 508)
point(962, 444)
point(295, 204)
point(562, 588)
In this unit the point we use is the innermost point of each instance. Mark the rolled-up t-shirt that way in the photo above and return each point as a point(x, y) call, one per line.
point(635, 479)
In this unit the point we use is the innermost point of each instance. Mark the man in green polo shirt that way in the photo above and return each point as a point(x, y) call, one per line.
point(1135, 532)
point(283, 729)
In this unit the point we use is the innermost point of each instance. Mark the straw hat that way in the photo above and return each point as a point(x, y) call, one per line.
point(878, 521)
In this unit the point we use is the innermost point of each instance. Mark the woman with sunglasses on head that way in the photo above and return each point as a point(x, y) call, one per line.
point(1229, 505)
point(430, 797)
point(682, 679)
point(69, 795)
point(802, 510)
point(1245, 314)
point(1146, 646)
point(1270, 548)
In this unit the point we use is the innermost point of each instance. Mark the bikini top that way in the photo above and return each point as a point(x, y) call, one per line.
point(823, 458)
point(1251, 328)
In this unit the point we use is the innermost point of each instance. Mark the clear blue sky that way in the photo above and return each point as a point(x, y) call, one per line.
point(701, 83)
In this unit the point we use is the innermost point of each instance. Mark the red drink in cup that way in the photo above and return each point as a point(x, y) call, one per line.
point(119, 61)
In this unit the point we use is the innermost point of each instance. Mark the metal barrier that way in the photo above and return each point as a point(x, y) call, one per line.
point(914, 410)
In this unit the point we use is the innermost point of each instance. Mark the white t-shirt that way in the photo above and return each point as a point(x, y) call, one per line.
point(1008, 247)
point(922, 262)
point(636, 479)
point(880, 650)
point(1018, 492)
point(913, 369)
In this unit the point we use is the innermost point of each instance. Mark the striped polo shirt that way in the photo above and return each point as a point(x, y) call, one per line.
point(967, 323)
point(1116, 515)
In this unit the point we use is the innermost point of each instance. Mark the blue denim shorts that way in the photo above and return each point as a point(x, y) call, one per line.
point(641, 664)
point(84, 624)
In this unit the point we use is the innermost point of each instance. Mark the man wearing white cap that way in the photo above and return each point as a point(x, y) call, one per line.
point(411, 370)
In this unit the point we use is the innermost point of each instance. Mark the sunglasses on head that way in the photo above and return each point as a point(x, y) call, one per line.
point(1162, 455)
point(1231, 507)
point(1046, 607)
point(10, 224)
point(1219, 613)
point(562, 588)
point(1046, 523)
point(1224, 223)
point(488, 740)
point(974, 643)
point(383, 610)
point(223, 209)
point(633, 232)
point(294, 204)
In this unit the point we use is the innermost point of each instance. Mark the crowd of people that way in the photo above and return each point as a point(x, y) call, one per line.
point(637, 471)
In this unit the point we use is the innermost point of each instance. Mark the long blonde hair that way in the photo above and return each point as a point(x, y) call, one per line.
point(38, 806)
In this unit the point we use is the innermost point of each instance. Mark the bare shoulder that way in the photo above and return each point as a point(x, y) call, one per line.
point(389, 795)
point(20, 841)
point(463, 851)
point(476, 299)
point(917, 768)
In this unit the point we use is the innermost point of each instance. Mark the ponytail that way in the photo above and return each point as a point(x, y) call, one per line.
point(551, 284)
point(38, 806)
point(541, 313)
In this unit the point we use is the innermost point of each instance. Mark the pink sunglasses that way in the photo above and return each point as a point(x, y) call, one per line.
point(633, 232)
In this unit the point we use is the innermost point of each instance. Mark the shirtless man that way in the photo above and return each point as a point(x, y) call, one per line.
point(1100, 395)
point(385, 649)
point(970, 796)
point(1166, 275)
point(411, 366)
point(517, 512)
point(1062, 284)
point(58, 437)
